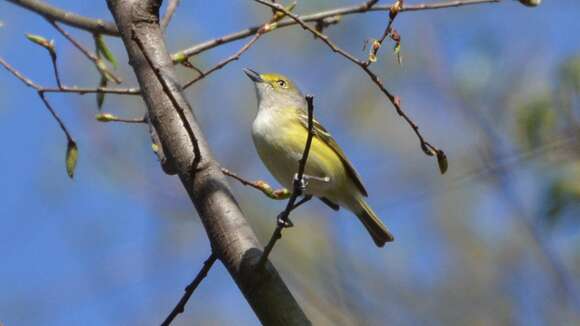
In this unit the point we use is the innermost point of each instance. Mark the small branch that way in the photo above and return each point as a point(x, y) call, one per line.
point(298, 188)
point(67, 89)
point(101, 67)
point(55, 68)
point(55, 116)
point(20, 75)
point(426, 147)
point(108, 117)
point(263, 29)
point(171, 7)
point(92, 90)
point(69, 18)
point(180, 307)
point(395, 9)
point(223, 63)
point(260, 185)
point(343, 11)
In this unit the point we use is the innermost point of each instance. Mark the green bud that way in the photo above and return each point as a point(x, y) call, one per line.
point(49, 45)
point(179, 57)
point(106, 117)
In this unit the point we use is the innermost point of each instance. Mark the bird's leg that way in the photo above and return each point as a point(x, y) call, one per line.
point(302, 201)
point(285, 222)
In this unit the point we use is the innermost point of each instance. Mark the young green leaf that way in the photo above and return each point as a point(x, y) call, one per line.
point(103, 49)
point(101, 96)
point(72, 153)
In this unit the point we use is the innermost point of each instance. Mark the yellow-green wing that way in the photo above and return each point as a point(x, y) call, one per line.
point(323, 135)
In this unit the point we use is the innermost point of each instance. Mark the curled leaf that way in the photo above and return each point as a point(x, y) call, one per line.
point(72, 153)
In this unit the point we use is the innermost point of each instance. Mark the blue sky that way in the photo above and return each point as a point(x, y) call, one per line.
point(117, 244)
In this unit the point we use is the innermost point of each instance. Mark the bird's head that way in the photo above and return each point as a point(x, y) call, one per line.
point(275, 90)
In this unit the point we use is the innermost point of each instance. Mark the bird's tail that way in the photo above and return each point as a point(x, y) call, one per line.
point(373, 224)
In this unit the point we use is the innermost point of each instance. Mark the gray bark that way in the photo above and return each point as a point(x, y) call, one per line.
point(231, 237)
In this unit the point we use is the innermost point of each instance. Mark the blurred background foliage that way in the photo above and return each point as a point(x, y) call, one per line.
point(494, 241)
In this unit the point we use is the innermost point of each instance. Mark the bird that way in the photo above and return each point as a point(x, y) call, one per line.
point(279, 132)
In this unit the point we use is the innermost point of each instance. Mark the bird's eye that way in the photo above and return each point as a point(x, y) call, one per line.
point(281, 83)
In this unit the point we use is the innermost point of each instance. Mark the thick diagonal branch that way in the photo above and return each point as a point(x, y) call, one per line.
point(232, 239)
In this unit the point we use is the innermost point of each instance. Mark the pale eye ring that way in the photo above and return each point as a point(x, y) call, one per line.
point(281, 83)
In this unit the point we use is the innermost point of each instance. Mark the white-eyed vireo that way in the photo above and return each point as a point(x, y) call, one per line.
point(280, 131)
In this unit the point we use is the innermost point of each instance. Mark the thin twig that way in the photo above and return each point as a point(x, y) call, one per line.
point(91, 56)
point(180, 307)
point(343, 11)
point(69, 18)
point(427, 147)
point(171, 7)
point(231, 58)
point(92, 90)
point(260, 185)
point(55, 116)
point(55, 68)
point(395, 9)
point(297, 189)
point(64, 88)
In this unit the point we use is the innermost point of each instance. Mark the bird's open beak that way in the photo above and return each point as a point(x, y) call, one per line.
point(254, 76)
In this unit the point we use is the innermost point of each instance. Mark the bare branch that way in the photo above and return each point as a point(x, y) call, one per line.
point(20, 75)
point(260, 185)
point(171, 7)
point(315, 17)
point(67, 89)
point(180, 307)
point(101, 67)
point(261, 31)
point(69, 18)
point(298, 188)
point(223, 63)
point(395, 9)
point(55, 116)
